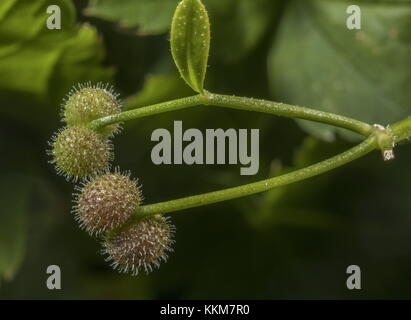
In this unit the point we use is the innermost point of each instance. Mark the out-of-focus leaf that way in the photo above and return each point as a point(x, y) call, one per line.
point(159, 88)
point(249, 20)
point(232, 38)
point(5, 6)
point(33, 58)
point(81, 61)
point(366, 74)
point(13, 201)
point(33, 13)
point(150, 16)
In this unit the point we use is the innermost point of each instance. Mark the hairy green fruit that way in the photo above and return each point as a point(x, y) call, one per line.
point(88, 103)
point(106, 202)
point(79, 152)
point(141, 245)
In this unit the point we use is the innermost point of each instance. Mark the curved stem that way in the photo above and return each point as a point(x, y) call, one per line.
point(146, 111)
point(291, 111)
point(249, 104)
point(356, 152)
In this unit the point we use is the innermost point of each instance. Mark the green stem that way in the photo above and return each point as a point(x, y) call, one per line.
point(291, 111)
point(249, 104)
point(146, 111)
point(401, 130)
point(356, 152)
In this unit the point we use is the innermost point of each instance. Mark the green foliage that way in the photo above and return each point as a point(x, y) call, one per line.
point(249, 21)
point(14, 192)
point(152, 17)
point(233, 38)
point(43, 63)
point(361, 73)
point(190, 42)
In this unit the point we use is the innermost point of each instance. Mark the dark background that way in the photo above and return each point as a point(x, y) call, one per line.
point(293, 242)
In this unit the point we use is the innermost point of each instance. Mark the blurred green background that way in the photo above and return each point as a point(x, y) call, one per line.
point(293, 242)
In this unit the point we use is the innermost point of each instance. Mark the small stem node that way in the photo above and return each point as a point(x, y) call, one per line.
point(385, 141)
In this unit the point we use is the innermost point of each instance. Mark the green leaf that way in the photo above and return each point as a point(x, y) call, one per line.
point(5, 6)
point(34, 60)
point(190, 42)
point(13, 199)
point(33, 13)
point(365, 74)
point(81, 61)
point(239, 26)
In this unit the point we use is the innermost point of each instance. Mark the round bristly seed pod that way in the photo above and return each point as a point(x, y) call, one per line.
point(141, 245)
point(89, 102)
point(106, 202)
point(79, 152)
